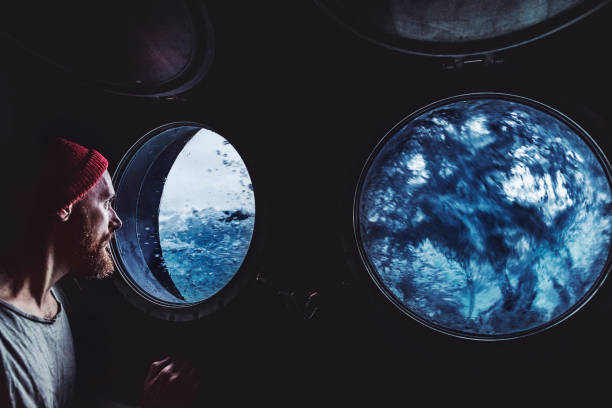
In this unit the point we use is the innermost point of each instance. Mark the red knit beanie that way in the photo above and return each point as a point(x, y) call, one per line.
point(74, 170)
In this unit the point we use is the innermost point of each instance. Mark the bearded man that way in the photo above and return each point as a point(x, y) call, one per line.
point(67, 225)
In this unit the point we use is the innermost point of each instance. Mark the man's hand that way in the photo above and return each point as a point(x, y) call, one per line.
point(170, 382)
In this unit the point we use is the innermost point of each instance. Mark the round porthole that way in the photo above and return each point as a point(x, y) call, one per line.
point(486, 216)
point(149, 49)
point(453, 27)
point(188, 208)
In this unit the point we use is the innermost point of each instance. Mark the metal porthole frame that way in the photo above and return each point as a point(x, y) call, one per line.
point(375, 278)
point(475, 47)
point(169, 90)
point(169, 311)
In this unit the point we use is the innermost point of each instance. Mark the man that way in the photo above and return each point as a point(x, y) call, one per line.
point(67, 223)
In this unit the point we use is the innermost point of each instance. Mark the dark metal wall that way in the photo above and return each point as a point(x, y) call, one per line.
point(304, 102)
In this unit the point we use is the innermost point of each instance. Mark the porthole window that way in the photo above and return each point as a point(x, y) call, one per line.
point(453, 27)
point(146, 49)
point(486, 216)
point(188, 208)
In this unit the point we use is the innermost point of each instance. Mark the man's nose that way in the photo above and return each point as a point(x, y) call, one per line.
point(116, 221)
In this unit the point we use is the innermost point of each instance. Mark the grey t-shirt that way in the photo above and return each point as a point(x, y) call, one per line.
point(37, 363)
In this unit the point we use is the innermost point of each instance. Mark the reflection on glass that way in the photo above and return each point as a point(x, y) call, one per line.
point(206, 216)
point(486, 217)
point(459, 21)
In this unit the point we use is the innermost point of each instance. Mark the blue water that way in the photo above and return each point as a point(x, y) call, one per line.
point(203, 249)
point(486, 216)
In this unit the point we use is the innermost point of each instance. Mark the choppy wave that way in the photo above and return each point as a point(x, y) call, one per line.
point(203, 249)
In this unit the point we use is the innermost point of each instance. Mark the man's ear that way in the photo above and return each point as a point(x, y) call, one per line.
point(64, 213)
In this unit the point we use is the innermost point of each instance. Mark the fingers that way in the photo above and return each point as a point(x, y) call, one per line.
point(173, 369)
point(157, 379)
point(157, 366)
point(175, 384)
point(171, 376)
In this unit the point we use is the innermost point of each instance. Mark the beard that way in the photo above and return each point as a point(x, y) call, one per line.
point(95, 257)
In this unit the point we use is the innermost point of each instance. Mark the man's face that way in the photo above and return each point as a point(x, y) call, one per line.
point(94, 221)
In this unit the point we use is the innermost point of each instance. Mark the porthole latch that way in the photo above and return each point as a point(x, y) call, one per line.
point(174, 99)
point(303, 304)
point(465, 62)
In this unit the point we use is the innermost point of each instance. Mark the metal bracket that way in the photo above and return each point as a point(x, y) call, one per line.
point(472, 60)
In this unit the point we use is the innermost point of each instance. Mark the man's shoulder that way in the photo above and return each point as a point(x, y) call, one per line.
point(8, 313)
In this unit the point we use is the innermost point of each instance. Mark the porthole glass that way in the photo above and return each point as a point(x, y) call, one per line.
point(486, 216)
point(188, 208)
point(146, 48)
point(455, 27)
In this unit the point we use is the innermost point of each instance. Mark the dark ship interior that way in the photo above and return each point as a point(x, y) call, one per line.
point(303, 91)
